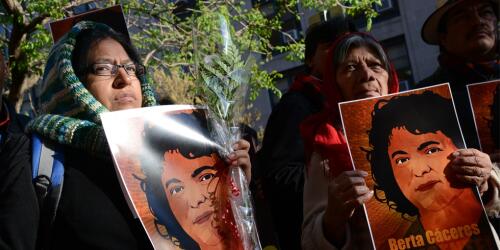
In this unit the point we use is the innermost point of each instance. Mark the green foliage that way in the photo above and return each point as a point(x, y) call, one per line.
point(26, 40)
point(165, 39)
point(222, 75)
point(36, 46)
point(169, 41)
point(351, 7)
point(295, 51)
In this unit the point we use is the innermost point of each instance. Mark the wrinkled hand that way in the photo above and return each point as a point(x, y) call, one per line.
point(345, 192)
point(348, 191)
point(240, 157)
point(472, 166)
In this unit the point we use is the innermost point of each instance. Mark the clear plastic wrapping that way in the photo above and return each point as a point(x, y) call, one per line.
point(224, 73)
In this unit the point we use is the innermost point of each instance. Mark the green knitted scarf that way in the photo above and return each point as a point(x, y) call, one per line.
point(70, 115)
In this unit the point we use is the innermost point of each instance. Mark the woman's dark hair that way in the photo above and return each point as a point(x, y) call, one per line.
point(495, 118)
point(361, 40)
point(157, 141)
point(90, 37)
point(326, 32)
point(418, 114)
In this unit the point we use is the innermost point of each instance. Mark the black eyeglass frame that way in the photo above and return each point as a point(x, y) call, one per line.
point(140, 69)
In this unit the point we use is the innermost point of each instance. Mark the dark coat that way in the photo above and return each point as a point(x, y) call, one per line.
point(93, 212)
point(19, 212)
point(459, 77)
point(282, 162)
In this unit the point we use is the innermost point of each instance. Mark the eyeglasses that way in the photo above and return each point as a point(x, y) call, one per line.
point(108, 69)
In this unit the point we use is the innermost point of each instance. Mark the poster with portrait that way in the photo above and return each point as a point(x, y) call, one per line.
point(111, 16)
point(404, 142)
point(172, 175)
point(484, 100)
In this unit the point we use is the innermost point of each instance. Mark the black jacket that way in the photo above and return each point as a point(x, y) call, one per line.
point(282, 162)
point(93, 212)
point(19, 213)
point(459, 80)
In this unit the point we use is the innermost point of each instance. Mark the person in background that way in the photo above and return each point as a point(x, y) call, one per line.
point(466, 32)
point(282, 159)
point(19, 213)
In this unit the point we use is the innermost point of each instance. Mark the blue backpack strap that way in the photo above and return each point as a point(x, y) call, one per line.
point(48, 177)
point(42, 164)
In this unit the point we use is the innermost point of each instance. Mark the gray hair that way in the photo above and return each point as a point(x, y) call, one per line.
point(357, 41)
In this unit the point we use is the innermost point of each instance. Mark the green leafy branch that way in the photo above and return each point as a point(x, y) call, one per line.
point(223, 75)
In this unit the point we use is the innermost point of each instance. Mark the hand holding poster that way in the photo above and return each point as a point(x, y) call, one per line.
point(173, 176)
point(406, 142)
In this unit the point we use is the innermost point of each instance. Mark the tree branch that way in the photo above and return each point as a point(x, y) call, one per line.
point(30, 27)
point(13, 7)
point(148, 56)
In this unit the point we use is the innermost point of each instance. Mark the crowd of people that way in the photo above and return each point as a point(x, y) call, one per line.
point(306, 172)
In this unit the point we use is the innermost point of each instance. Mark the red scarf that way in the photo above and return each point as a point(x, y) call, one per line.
point(319, 131)
point(4, 117)
point(303, 81)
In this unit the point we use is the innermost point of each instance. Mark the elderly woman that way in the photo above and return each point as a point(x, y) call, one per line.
point(92, 70)
point(359, 69)
point(333, 192)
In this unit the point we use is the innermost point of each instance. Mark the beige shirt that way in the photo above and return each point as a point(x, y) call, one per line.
point(315, 202)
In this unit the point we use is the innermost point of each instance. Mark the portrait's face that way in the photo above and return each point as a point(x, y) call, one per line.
point(118, 92)
point(418, 163)
point(188, 184)
point(470, 29)
point(361, 75)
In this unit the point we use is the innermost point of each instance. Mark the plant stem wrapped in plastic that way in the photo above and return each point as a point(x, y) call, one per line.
point(224, 76)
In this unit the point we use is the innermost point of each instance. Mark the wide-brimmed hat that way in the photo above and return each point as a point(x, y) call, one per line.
point(430, 32)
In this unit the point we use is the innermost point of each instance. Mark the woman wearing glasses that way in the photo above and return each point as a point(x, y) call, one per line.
point(110, 69)
point(92, 70)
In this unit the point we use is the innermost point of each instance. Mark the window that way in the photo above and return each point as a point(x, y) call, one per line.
point(290, 36)
point(268, 10)
point(386, 5)
point(259, 2)
point(388, 10)
point(290, 27)
point(398, 54)
point(82, 8)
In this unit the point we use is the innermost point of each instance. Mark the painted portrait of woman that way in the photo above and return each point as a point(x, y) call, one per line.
point(407, 144)
point(181, 167)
